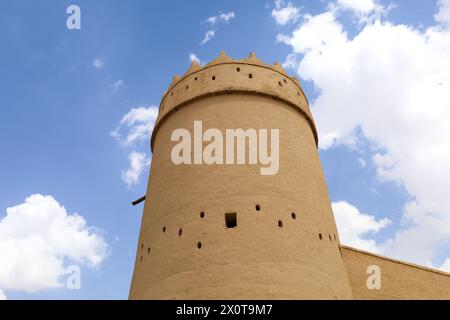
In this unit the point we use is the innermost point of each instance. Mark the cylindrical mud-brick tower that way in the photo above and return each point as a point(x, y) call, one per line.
point(224, 231)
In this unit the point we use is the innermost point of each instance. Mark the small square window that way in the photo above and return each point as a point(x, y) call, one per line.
point(231, 219)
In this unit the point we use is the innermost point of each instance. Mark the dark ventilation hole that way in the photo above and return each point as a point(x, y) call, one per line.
point(231, 219)
point(214, 77)
point(187, 87)
point(141, 258)
point(284, 80)
point(298, 93)
point(171, 93)
point(280, 223)
point(280, 84)
point(258, 208)
point(164, 229)
point(293, 215)
point(335, 237)
point(202, 214)
point(238, 69)
point(176, 109)
point(250, 76)
point(180, 232)
point(320, 236)
point(142, 246)
point(329, 236)
point(148, 250)
point(199, 245)
point(196, 78)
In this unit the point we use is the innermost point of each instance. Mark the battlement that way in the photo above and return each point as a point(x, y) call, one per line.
point(225, 75)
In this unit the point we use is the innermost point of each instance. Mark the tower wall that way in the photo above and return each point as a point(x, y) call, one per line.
point(260, 258)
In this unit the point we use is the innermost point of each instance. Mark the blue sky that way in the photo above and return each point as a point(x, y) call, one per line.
point(64, 91)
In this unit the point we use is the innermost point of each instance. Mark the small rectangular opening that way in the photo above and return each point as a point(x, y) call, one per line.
point(231, 219)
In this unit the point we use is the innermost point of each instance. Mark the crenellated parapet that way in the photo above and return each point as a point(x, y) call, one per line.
point(225, 75)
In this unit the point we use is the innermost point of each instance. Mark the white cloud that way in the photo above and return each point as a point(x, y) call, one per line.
point(284, 14)
point(282, 38)
point(193, 58)
point(98, 63)
point(208, 36)
point(214, 21)
point(138, 124)
point(392, 83)
point(291, 61)
point(364, 10)
point(354, 226)
point(445, 266)
point(444, 11)
point(2, 295)
point(138, 162)
point(383, 163)
point(362, 162)
point(223, 17)
point(315, 34)
point(360, 6)
point(226, 16)
point(37, 240)
point(118, 85)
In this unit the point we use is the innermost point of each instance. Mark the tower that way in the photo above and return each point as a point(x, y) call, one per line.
point(225, 231)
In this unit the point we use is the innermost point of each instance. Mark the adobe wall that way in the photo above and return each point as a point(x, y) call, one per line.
point(285, 245)
point(399, 280)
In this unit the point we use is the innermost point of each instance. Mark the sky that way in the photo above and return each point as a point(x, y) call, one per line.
point(78, 106)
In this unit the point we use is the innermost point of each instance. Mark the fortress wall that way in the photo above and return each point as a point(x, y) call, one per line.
point(258, 259)
point(285, 244)
point(399, 280)
point(185, 250)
